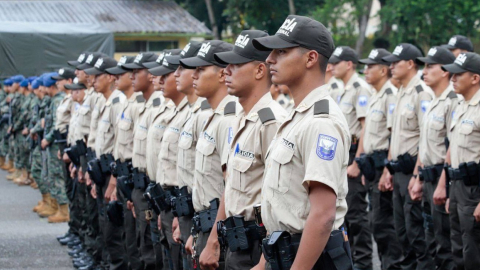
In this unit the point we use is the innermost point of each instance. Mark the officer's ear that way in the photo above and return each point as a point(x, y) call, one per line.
point(312, 59)
point(475, 79)
point(261, 71)
point(220, 74)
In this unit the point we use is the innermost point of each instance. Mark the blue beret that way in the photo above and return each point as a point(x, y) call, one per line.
point(24, 83)
point(18, 78)
point(36, 83)
point(8, 82)
point(48, 80)
point(31, 79)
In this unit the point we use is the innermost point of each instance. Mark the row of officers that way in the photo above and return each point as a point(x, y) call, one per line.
point(271, 153)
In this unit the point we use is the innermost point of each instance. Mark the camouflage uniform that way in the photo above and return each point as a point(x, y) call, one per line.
point(22, 118)
point(4, 126)
point(54, 164)
point(16, 136)
point(39, 164)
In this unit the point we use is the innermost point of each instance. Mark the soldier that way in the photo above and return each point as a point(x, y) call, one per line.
point(104, 84)
point(153, 104)
point(199, 111)
point(378, 125)
point(35, 101)
point(459, 44)
point(463, 155)
point(4, 120)
point(249, 79)
point(15, 134)
point(353, 100)
point(123, 150)
point(432, 151)
point(305, 181)
point(412, 102)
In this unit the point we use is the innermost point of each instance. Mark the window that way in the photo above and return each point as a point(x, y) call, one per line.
point(144, 46)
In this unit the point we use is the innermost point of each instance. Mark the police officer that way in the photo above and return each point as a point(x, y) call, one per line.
point(333, 83)
point(432, 151)
point(378, 124)
point(464, 206)
point(123, 150)
point(249, 79)
point(153, 102)
point(212, 146)
point(412, 102)
point(305, 181)
point(353, 100)
point(459, 44)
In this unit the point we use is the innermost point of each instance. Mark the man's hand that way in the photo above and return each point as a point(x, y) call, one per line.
point(175, 224)
point(159, 223)
point(45, 143)
point(417, 191)
point(73, 171)
point(353, 170)
point(476, 213)
point(110, 189)
point(65, 158)
point(189, 245)
point(447, 206)
point(42, 123)
point(59, 155)
point(440, 194)
point(25, 131)
point(87, 177)
point(210, 255)
point(114, 195)
point(9, 130)
point(176, 236)
point(81, 177)
point(93, 192)
point(133, 211)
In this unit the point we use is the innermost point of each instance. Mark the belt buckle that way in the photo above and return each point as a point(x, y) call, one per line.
point(148, 215)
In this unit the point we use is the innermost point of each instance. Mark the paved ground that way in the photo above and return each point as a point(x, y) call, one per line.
point(27, 241)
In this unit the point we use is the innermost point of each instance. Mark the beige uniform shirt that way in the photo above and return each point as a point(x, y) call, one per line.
point(379, 119)
point(85, 114)
point(126, 122)
point(106, 125)
point(465, 132)
point(64, 113)
point(353, 100)
point(73, 125)
point(307, 147)
point(99, 102)
point(248, 151)
point(199, 113)
point(167, 158)
point(212, 152)
point(283, 100)
point(436, 123)
point(412, 103)
point(155, 103)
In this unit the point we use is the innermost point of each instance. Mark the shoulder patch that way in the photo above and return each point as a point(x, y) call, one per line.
point(230, 108)
point(156, 102)
point(419, 88)
point(321, 107)
point(266, 114)
point(205, 105)
point(389, 91)
point(452, 95)
point(334, 85)
point(116, 100)
point(356, 85)
point(140, 99)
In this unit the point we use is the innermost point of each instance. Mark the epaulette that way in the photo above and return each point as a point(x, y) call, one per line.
point(266, 114)
point(205, 105)
point(230, 108)
point(389, 91)
point(419, 88)
point(321, 107)
point(452, 95)
point(156, 102)
point(116, 100)
point(356, 85)
point(334, 85)
point(140, 99)
point(281, 102)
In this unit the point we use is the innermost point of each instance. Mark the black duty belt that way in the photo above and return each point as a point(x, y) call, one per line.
point(238, 234)
point(204, 221)
point(468, 172)
point(430, 173)
point(405, 164)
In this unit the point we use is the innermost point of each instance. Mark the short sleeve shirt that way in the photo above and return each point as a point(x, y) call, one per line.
point(92, 135)
point(73, 125)
point(84, 117)
point(307, 147)
point(64, 113)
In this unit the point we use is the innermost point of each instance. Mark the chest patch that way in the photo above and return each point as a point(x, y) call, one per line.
point(424, 105)
point(362, 101)
point(326, 147)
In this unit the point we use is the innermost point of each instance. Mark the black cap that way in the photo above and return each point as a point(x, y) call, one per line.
point(205, 55)
point(101, 65)
point(166, 67)
point(80, 60)
point(404, 51)
point(465, 62)
point(190, 50)
point(244, 51)
point(91, 60)
point(344, 53)
point(437, 55)
point(140, 59)
point(75, 85)
point(119, 69)
point(459, 42)
point(376, 57)
point(64, 74)
point(157, 62)
point(299, 31)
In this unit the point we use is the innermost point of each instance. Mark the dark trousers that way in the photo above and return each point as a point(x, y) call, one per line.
point(93, 237)
point(81, 204)
point(357, 224)
point(241, 260)
point(438, 231)
point(383, 229)
point(409, 226)
point(133, 255)
point(185, 224)
point(173, 247)
point(162, 257)
point(464, 230)
point(143, 230)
